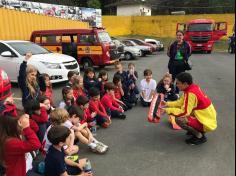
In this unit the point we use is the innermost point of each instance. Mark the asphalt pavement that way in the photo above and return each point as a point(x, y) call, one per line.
point(139, 148)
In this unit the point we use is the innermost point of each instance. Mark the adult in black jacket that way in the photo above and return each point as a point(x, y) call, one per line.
point(30, 82)
point(179, 53)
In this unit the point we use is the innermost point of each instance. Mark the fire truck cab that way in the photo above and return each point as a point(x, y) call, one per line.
point(202, 33)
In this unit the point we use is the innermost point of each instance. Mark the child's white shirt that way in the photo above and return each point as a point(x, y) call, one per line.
point(148, 88)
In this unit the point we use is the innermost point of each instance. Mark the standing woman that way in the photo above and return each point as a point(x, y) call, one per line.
point(29, 81)
point(179, 53)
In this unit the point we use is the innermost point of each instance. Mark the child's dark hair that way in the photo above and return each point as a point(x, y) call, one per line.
point(31, 106)
point(131, 64)
point(71, 74)
point(109, 86)
point(73, 110)
point(45, 75)
point(93, 92)
point(103, 73)
point(42, 99)
point(87, 71)
point(116, 79)
point(147, 72)
point(58, 134)
point(65, 91)
point(118, 63)
point(185, 78)
point(179, 31)
point(82, 100)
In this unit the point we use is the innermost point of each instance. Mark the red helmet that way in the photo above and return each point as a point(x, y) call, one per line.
point(5, 85)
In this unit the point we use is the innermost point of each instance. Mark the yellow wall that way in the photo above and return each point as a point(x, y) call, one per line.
point(158, 26)
point(16, 25)
point(117, 25)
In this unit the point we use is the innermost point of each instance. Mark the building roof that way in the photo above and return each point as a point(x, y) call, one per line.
point(125, 2)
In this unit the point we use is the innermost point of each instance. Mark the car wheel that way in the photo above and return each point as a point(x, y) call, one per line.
point(128, 56)
point(143, 54)
point(87, 63)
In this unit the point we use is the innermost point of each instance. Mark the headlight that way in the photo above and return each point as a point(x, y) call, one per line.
point(52, 66)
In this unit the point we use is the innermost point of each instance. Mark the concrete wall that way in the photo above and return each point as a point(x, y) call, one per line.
point(133, 10)
point(158, 26)
point(16, 25)
point(117, 25)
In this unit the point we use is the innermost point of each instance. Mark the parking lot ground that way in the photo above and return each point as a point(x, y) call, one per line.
point(138, 148)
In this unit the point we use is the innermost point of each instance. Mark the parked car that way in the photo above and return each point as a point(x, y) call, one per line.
point(56, 65)
point(119, 46)
point(142, 43)
point(157, 43)
point(131, 52)
point(145, 50)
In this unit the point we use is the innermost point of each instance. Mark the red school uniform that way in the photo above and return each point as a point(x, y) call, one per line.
point(48, 93)
point(109, 102)
point(79, 92)
point(42, 118)
point(15, 150)
point(118, 94)
point(96, 106)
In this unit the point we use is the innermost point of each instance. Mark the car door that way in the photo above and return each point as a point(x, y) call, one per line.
point(9, 64)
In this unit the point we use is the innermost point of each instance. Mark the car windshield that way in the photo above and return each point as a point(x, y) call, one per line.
point(139, 42)
point(104, 37)
point(23, 47)
point(200, 27)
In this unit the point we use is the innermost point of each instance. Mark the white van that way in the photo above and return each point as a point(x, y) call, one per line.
point(57, 66)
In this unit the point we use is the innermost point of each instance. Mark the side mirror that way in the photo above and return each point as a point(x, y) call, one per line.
point(6, 54)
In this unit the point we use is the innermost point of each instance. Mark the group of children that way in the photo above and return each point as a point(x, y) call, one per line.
point(88, 103)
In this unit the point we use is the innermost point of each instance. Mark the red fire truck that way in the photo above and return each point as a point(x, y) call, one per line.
point(202, 33)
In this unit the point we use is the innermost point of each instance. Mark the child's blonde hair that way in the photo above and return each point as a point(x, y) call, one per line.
point(59, 116)
point(76, 80)
point(34, 84)
point(167, 75)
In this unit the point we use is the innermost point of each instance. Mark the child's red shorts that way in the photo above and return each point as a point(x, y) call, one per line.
point(193, 122)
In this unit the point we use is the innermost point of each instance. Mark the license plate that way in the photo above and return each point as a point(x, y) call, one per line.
point(199, 44)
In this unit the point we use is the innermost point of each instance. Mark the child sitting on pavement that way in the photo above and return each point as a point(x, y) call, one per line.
point(70, 76)
point(78, 87)
point(57, 118)
point(119, 93)
point(82, 131)
point(109, 102)
point(68, 98)
point(133, 88)
point(13, 148)
point(90, 79)
point(103, 79)
point(83, 104)
point(95, 105)
point(167, 87)
point(38, 113)
point(148, 88)
point(56, 164)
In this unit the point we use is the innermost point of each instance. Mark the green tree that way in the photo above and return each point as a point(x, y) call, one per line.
point(96, 4)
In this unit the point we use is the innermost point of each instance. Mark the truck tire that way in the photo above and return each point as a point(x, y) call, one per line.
point(87, 63)
point(128, 56)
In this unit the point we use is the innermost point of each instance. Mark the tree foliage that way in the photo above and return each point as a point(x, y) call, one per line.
point(96, 4)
